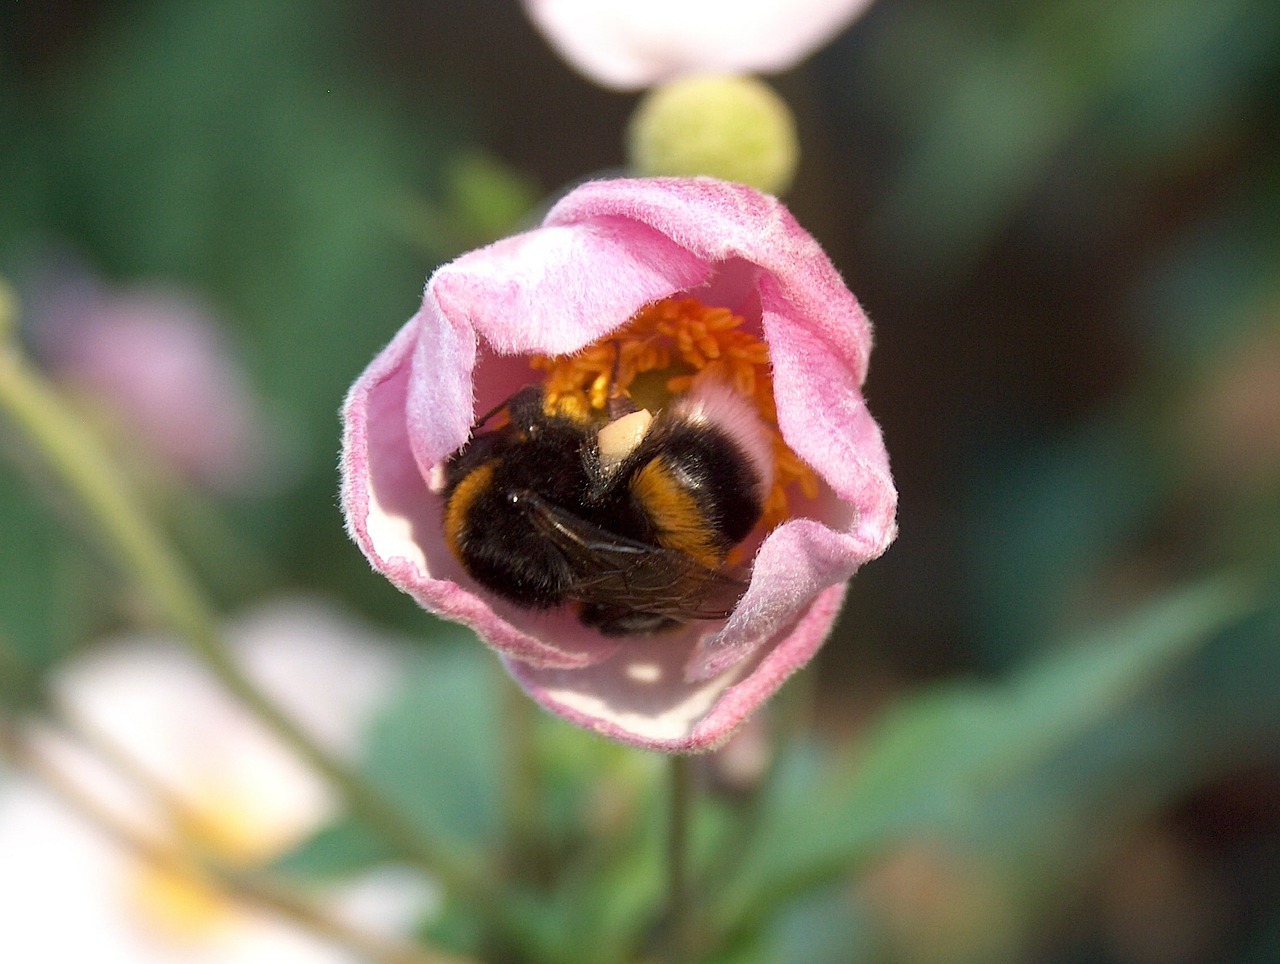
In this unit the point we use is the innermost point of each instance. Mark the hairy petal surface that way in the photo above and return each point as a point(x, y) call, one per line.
point(627, 45)
point(604, 251)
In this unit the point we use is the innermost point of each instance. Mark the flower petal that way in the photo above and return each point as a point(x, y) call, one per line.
point(641, 696)
point(819, 341)
point(395, 517)
point(604, 251)
point(70, 892)
point(158, 365)
point(721, 223)
point(626, 45)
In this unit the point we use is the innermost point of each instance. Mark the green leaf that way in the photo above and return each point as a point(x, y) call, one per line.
point(823, 927)
point(1135, 82)
point(490, 198)
point(601, 816)
point(52, 586)
point(341, 848)
point(437, 748)
point(932, 762)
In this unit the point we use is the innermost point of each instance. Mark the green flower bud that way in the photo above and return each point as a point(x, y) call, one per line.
point(733, 128)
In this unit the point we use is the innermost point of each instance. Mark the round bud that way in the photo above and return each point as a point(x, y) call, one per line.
point(733, 128)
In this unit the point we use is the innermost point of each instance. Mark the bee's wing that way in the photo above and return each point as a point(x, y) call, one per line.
point(614, 570)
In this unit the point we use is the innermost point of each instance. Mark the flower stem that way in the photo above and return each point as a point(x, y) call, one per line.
point(521, 787)
point(80, 463)
point(681, 918)
point(8, 310)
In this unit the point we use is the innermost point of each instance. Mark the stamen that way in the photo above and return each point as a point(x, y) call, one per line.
point(679, 340)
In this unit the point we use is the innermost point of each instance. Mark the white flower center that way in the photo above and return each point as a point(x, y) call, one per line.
point(173, 898)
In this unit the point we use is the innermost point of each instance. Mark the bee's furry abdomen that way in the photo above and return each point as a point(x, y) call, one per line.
point(721, 482)
point(490, 533)
point(536, 516)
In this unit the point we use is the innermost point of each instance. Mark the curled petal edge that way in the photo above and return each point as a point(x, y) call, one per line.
point(642, 699)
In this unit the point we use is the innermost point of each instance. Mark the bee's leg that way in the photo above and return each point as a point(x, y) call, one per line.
point(620, 403)
point(621, 621)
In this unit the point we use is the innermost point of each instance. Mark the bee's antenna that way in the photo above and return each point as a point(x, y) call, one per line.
point(517, 400)
point(492, 412)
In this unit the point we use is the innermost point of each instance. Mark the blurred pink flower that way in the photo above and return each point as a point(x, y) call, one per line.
point(604, 252)
point(626, 45)
point(156, 361)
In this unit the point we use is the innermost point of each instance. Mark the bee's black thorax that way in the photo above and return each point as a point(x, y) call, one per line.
point(687, 490)
point(489, 533)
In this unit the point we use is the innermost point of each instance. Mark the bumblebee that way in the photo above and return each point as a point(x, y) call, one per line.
point(627, 515)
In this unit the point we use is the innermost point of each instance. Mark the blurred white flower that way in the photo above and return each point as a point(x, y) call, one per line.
point(626, 44)
point(71, 894)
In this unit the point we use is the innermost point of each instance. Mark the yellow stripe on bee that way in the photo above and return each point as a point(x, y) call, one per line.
point(464, 496)
point(674, 512)
point(684, 340)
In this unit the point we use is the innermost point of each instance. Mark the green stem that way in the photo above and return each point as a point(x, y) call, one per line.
point(680, 912)
point(521, 783)
point(82, 465)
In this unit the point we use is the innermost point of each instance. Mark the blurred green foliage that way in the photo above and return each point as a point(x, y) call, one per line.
point(1065, 218)
point(240, 149)
point(1011, 773)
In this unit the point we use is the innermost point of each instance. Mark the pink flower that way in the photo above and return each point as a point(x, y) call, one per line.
point(626, 45)
point(158, 363)
point(605, 254)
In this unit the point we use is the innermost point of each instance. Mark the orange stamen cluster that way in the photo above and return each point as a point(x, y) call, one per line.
point(681, 340)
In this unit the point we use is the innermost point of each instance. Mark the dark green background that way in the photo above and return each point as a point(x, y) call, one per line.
point(1063, 217)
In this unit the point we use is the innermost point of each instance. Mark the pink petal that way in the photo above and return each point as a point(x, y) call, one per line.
point(157, 361)
point(720, 224)
point(606, 250)
point(395, 518)
point(819, 340)
point(640, 695)
point(626, 45)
